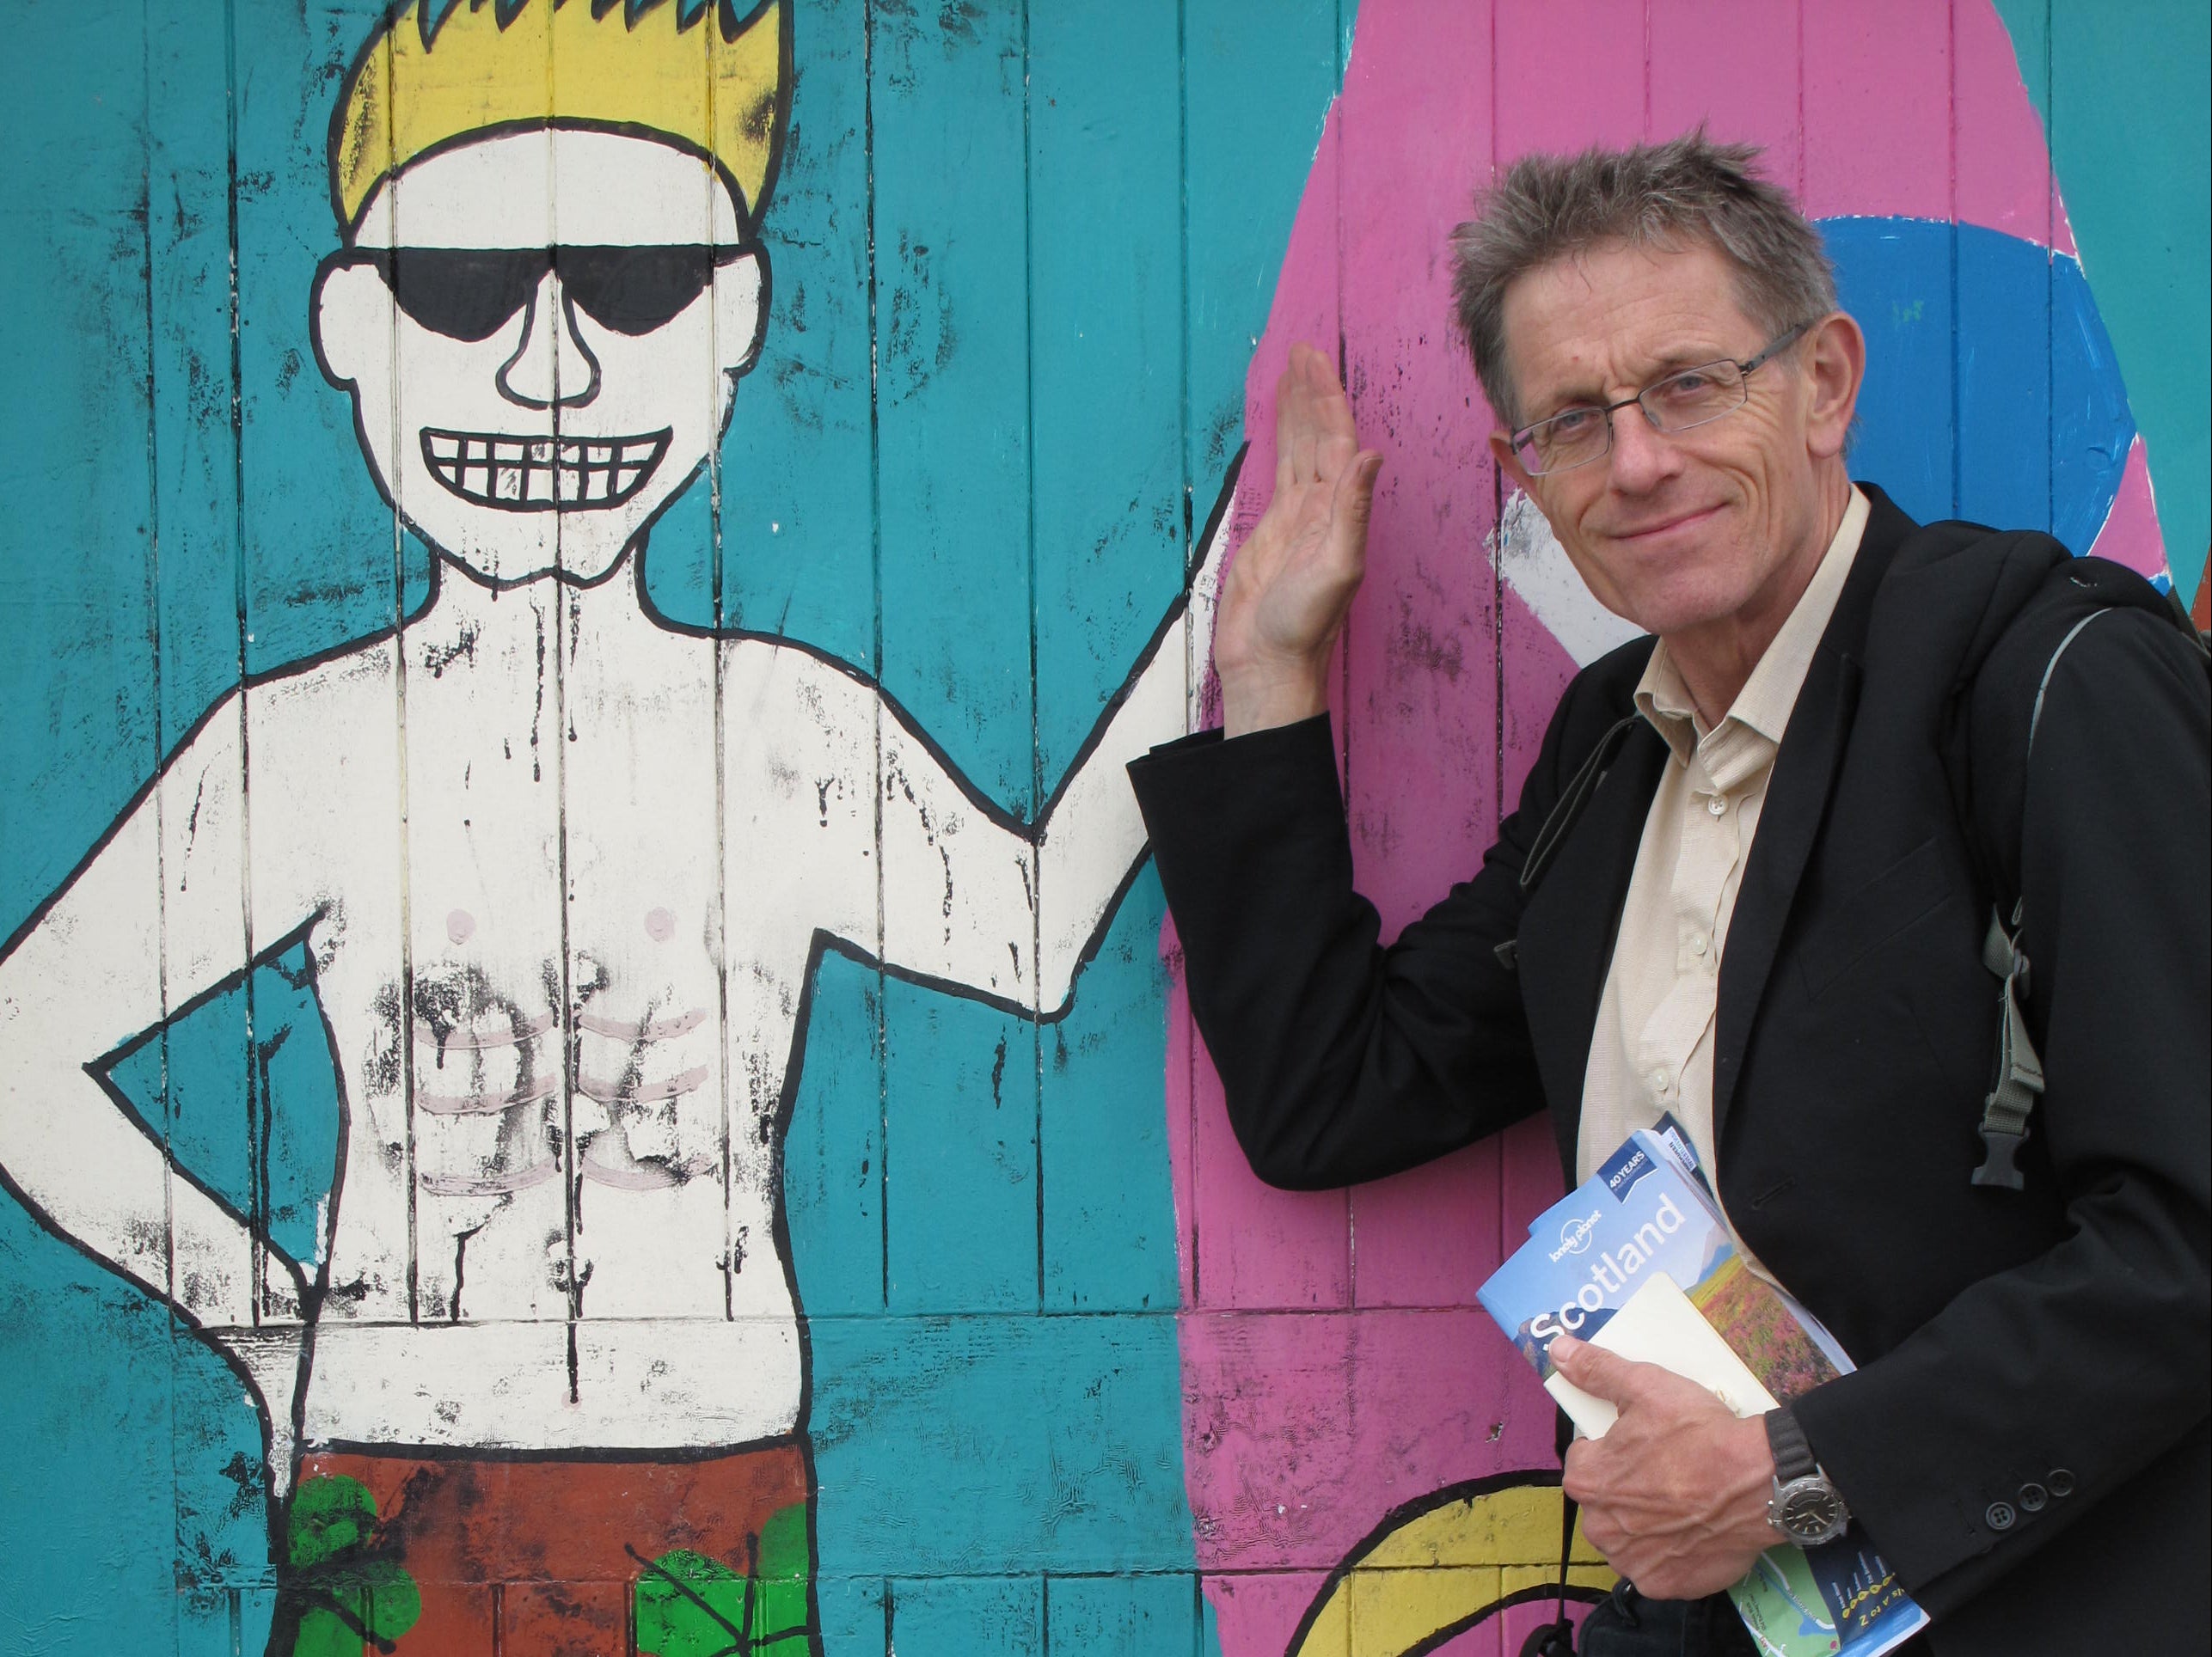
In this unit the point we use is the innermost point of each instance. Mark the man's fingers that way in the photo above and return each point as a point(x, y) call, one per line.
point(1293, 410)
point(1602, 1374)
point(1354, 496)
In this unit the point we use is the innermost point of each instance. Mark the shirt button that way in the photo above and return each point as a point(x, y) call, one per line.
point(1697, 944)
point(1661, 1083)
point(1716, 806)
point(1999, 1516)
point(2061, 1481)
point(2033, 1497)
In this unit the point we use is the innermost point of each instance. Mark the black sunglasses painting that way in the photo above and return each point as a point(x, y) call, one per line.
point(469, 293)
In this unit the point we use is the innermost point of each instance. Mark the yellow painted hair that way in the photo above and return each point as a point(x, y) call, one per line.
point(697, 73)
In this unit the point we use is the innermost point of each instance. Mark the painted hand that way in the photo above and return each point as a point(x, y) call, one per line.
point(1284, 600)
point(1675, 1495)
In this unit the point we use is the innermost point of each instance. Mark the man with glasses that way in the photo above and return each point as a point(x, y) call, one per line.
point(1750, 884)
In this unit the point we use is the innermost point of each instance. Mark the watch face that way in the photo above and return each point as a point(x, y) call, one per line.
point(1809, 1511)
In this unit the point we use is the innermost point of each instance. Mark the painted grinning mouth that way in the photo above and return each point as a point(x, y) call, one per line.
point(542, 474)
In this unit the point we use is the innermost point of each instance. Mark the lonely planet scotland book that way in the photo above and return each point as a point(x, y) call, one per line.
point(1637, 1260)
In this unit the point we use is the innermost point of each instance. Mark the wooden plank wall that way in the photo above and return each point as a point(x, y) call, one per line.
point(627, 1021)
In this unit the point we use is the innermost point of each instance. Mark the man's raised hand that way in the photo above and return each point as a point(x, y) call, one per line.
point(1674, 1495)
point(1284, 600)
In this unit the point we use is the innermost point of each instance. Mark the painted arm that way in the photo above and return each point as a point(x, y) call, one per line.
point(153, 913)
point(1009, 911)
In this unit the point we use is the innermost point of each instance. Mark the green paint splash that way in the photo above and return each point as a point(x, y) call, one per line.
point(346, 1591)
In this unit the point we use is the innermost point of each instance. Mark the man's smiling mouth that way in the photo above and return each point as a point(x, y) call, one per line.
point(542, 474)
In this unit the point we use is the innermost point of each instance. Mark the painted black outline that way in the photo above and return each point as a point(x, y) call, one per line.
point(660, 440)
point(822, 941)
point(312, 1290)
point(634, 554)
point(1526, 1478)
point(345, 257)
point(749, 212)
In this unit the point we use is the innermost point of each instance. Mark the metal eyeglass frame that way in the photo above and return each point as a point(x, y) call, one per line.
point(1779, 343)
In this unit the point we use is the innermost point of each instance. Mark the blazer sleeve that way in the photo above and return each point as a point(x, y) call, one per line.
point(2077, 1370)
point(1341, 1060)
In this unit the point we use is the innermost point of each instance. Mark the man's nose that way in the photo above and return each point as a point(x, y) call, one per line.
point(553, 368)
point(1642, 457)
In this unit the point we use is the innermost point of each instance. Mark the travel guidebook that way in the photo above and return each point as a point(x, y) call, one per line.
point(1637, 1260)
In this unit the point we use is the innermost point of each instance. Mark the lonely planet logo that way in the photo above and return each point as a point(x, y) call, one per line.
point(1575, 1235)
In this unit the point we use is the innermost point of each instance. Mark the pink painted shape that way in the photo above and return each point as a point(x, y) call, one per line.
point(1333, 1364)
point(1420, 712)
point(1731, 64)
point(2004, 178)
point(1264, 1611)
point(1427, 1237)
point(1267, 1428)
point(1437, 1397)
point(2131, 534)
point(1568, 73)
point(1304, 1430)
point(1877, 81)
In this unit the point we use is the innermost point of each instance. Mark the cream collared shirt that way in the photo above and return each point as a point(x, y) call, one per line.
point(1652, 1049)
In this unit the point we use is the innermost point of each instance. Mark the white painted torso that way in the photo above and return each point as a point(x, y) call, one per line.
point(575, 874)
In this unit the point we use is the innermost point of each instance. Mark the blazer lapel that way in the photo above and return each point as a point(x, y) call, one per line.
point(1804, 772)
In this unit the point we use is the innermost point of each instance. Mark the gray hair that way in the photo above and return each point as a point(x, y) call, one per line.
point(1688, 189)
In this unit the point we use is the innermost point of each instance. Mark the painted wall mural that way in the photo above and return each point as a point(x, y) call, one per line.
point(588, 1057)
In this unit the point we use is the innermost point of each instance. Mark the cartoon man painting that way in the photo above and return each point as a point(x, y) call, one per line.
point(563, 870)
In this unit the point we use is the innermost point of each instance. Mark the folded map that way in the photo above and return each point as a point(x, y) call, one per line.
point(1637, 1260)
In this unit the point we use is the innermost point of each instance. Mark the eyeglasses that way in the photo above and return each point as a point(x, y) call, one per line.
point(1687, 397)
point(470, 293)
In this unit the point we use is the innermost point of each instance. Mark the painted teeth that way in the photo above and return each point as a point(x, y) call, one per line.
point(538, 473)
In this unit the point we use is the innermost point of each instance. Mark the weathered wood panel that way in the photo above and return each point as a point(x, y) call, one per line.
point(575, 954)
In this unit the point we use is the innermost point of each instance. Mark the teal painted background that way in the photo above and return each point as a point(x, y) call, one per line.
point(2121, 89)
point(1057, 295)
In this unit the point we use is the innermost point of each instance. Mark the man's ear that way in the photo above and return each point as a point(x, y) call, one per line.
point(1509, 462)
point(741, 310)
point(1836, 360)
point(350, 318)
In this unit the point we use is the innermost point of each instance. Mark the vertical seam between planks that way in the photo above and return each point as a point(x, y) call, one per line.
point(1805, 143)
point(1647, 70)
point(405, 873)
point(2051, 212)
point(563, 602)
point(1957, 344)
point(1498, 588)
point(1339, 46)
point(161, 835)
point(718, 599)
point(1036, 693)
point(1195, 650)
point(875, 644)
point(256, 1254)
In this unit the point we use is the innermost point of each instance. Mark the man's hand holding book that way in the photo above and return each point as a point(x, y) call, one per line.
point(1647, 1488)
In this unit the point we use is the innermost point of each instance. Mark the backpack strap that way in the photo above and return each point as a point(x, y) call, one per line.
point(2008, 1104)
point(1555, 827)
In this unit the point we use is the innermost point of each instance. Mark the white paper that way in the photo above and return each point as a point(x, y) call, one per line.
point(1658, 1325)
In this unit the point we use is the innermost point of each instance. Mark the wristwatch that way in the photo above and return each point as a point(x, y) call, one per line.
point(1805, 1508)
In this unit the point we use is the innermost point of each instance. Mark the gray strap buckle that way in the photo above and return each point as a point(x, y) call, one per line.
point(2006, 1109)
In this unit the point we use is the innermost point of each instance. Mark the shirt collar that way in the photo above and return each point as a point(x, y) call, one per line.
point(1761, 709)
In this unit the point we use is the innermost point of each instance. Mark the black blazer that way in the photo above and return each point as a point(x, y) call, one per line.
point(2034, 1365)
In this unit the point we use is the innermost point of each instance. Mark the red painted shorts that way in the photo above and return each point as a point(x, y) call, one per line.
point(455, 1557)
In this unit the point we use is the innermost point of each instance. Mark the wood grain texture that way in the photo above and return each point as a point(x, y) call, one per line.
point(628, 1015)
